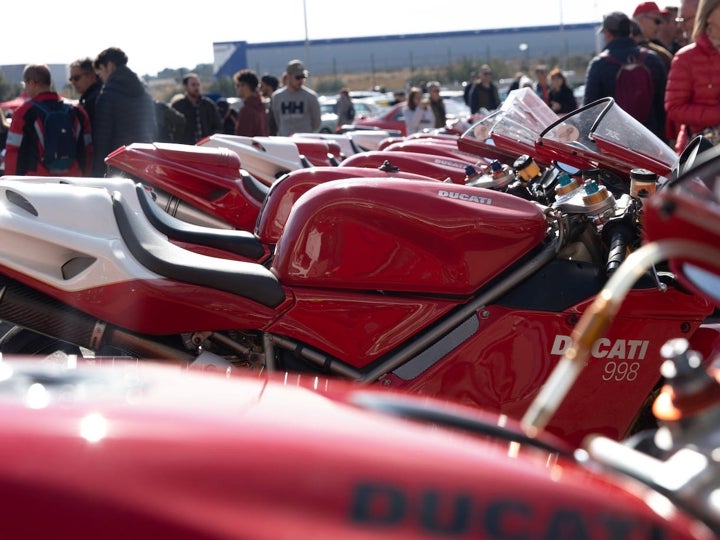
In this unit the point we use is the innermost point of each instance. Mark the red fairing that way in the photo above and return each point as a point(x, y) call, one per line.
point(144, 452)
point(204, 177)
point(433, 165)
point(357, 328)
point(504, 364)
point(290, 187)
point(408, 236)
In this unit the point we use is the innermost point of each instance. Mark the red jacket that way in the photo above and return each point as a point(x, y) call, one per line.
point(252, 118)
point(692, 95)
point(23, 151)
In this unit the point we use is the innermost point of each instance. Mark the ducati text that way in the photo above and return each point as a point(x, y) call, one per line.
point(464, 197)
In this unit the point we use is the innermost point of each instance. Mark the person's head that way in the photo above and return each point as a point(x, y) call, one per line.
point(668, 31)
point(414, 98)
point(615, 25)
point(686, 17)
point(191, 85)
point(36, 78)
point(246, 83)
point(647, 15)
point(268, 85)
point(82, 75)
point(707, 19)
point(485, 74)
point(433, 88)
point(296, 74)
point(345, 92)
point(636, 31)
point(557, 78)
point(223, 107)
point(541, 73)
point(399, 95)
point(108, 61)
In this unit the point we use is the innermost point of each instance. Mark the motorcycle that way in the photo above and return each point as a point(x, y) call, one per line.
point(380, 462)
point(446, 290)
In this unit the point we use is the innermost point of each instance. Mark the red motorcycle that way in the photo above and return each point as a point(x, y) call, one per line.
point(446, 290)
point(130, 441)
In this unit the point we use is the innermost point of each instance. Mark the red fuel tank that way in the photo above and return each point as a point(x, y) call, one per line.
point(410, 236)
point(293, 185)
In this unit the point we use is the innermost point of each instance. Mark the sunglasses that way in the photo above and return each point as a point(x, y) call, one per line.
point(75, 78)
point(300, 77)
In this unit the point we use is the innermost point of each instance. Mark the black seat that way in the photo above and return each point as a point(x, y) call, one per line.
point(156, 253)
point(240, 242)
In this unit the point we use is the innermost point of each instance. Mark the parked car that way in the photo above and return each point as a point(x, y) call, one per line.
point(328, 118)
point(394, 117)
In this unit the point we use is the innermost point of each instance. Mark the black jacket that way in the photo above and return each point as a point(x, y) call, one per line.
point(124, 114)
point(88, 100)
point(209, 119)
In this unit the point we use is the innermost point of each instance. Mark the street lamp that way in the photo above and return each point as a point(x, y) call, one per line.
point(525, 48)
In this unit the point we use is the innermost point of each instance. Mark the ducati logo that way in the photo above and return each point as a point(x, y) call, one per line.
point(620, 349)
point(464, 197)
point(450, 163)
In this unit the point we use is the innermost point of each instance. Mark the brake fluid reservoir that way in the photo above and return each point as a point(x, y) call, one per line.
point(526, 168)
point(642, 183)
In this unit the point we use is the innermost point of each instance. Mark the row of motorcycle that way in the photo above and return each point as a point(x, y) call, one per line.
point(560, 273)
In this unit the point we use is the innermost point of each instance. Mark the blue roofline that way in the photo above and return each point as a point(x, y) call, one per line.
point(400, 37)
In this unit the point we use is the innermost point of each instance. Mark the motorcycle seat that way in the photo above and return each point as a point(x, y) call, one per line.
point(241, 242)
point(255, 188)
point(156, 253)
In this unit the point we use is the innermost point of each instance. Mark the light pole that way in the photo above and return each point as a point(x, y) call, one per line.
point(525, 48)
point(307, 41)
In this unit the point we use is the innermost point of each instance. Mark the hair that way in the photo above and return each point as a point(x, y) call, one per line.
point(111, 54)
point(271, 80)
point(557, 72)
point(39, 73)
point(705, 8)
point(83, 64)
point(414, 91)
point(247, 76)
point(191, 75)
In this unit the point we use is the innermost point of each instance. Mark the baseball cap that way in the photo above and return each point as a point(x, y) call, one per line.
point(646, 7)
point(616, 22)
point(296, 68)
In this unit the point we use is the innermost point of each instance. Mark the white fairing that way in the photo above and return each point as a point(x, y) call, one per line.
point(266, 158)
point(72, 221)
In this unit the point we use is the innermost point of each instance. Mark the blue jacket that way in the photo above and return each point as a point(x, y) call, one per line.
point(601, 73)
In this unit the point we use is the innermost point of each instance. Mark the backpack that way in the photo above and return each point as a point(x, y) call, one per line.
point(634, 86)
point(58, 143)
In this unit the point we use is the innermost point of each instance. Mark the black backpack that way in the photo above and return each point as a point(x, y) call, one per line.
point(58, 143)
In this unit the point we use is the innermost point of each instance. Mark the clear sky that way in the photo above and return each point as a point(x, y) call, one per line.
point(157, 34)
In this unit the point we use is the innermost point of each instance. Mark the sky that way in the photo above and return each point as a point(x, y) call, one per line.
point(157, 34)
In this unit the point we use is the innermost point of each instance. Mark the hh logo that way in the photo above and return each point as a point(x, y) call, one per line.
point(293, 108)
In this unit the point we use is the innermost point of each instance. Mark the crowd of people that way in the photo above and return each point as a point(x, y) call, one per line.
point(676, 50)
point(49, 136)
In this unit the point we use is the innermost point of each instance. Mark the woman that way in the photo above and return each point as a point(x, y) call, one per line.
point(418, 115)
point(561, 97)
point(692, 95)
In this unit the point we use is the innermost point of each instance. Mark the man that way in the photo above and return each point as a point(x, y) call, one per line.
point(268, 85)
point(65, 152)
point(295, 109)
point(201, 115)
point(686, 18)
point(124, 110)
point(483, 93)
point(541, 85)
point(649, 19)
point(602, 71)
point(87, 84)
point(251, 118)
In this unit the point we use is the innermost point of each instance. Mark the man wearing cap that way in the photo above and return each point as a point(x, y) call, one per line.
point(294, 108)
point(648, 17)
point(602, 71)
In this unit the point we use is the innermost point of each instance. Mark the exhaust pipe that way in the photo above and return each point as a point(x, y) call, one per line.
point(36, 311)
